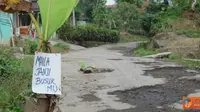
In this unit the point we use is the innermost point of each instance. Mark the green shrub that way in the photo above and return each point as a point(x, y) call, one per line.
point(143, 49)
point(159, 18)
point(65, 32)
point(195, 33)
point(94, 33)
point(89, 32)
point(156, 8)
point(15, 79)
point(163, 20)
point(8, 64)
point(30, 46)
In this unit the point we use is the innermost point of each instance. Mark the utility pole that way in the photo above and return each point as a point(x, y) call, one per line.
point(194, 4)
point(74, 19)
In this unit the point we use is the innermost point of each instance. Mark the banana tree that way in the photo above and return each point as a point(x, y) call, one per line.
point(54, 13)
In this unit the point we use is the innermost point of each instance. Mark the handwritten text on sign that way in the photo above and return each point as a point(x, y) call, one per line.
point(47, 74)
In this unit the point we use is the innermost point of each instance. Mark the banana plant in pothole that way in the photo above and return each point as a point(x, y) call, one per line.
point(91, 69)
point(54, 13)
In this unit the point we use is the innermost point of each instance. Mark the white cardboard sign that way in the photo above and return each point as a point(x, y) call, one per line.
point(47, 74)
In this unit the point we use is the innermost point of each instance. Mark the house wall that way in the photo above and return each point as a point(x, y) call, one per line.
point(5, 26)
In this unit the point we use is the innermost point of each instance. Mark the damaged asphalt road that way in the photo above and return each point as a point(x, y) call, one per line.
point(136, 84)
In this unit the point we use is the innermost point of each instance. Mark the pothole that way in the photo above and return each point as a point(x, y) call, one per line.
point(148, 98)
point(90, 98)
point(159, 95)
point(97, 70)
point(139, 109)
point(169, 72)
point(145, 63)
point(116, 59)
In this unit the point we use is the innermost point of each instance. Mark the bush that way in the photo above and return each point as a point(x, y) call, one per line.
point(159, 18)
point(93, 33)
point(30, 46)
point(15, 79)
point(88, 33)
point(65, 32)
point(144, 50)
point(8, 64)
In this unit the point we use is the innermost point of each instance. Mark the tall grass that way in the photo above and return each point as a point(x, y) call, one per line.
point(15, 80)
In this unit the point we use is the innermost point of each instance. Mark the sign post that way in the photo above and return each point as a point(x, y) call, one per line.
point(47, 74)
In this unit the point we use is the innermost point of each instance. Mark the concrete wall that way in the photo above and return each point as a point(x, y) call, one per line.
point(5, 26)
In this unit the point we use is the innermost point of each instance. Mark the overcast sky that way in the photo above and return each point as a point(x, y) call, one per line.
point(110, 2)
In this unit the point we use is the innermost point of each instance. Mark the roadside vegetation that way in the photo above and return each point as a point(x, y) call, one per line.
point(61, 47)
point(16, 72)
point(143, 50)
point(124, 38)
point(15, 80)
point(187, 63)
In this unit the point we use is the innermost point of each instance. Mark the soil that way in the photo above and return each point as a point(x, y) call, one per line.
point(158, 98)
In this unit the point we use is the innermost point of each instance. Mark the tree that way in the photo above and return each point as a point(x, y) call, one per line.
point(138, 3)
point(125, 15)
point(100, 13)
point(86, 7)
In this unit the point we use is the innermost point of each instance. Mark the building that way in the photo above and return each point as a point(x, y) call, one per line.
point(18, 21)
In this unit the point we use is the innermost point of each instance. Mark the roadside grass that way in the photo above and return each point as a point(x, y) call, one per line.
point(15, 80)
point(186, 63)
point(15, 77)
point(61, 47)
point(190, 33)
point(142, 51)
point(125, 39)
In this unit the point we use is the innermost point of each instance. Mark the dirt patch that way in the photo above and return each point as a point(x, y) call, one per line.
point(177, 44)
point(149, 98)
point(186, 47)
point(90, 98)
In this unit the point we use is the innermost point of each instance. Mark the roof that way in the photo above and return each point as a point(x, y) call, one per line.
point(24, 6)
point(111, 6)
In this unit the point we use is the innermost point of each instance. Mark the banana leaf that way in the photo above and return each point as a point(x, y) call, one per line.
point(54, 13)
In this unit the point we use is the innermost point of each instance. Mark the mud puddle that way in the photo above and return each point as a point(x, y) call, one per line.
point(158, 98)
